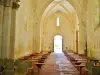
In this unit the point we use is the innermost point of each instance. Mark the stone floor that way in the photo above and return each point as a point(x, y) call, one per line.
point(58, 64)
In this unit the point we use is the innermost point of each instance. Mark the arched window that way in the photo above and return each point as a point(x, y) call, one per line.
point(58, 22)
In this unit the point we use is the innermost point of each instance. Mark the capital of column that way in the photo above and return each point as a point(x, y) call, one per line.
point(17, 0)
point(8, 3)
point(15, 5)
point(1, 2)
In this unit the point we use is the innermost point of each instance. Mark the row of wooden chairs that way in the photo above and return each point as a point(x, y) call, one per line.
point(30, 64)
point(85, 65)
point(22, 65)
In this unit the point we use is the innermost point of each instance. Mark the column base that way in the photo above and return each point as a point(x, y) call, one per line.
point(8, 67)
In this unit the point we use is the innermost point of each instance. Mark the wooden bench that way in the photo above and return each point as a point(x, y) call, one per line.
point(80, 61)
point(37, 59)
point(89, 66)
point(39, 66)
point(77, 60)
point(79, 66)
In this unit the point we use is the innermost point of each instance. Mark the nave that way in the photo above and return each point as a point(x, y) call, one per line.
point(58, 64)
point(51, 63)
point(28, 29)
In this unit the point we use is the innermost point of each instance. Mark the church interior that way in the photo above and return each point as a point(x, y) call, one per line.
point(49, 37)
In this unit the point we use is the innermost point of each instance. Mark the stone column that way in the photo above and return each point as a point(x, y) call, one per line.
point(6, 29)
point(15, 6)
point(6, 37)
point(36, 39)
point(38, 42)
point(37, 46)
point(77, 41)
point(82, 38)
point(1, 22)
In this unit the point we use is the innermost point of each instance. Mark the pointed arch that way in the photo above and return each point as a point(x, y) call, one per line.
point(56, 6)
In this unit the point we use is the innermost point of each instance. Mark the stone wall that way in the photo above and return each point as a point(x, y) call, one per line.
point(93, 28)
point(24, 29)
point(28, 25)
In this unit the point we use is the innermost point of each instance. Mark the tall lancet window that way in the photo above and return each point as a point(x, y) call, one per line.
point(58, 22)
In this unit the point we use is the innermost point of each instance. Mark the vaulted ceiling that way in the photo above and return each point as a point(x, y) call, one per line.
point(61, 7)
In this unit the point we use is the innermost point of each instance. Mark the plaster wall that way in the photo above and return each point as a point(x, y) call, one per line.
point(24, 29)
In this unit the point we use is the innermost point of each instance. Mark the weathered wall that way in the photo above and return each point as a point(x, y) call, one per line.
point(29, 18)
point(68, 23)
point(66, 30)
point(93, 28)
point(80, 9)
point(24, 29)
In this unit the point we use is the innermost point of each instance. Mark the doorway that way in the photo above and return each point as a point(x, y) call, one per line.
point(58, 44)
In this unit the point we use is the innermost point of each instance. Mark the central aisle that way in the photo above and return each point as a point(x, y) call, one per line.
point(58, 64)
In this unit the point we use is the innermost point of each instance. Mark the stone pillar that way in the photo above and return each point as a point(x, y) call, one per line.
point(77, 41)
point(1, 22)
point(6, 38)
point(6, 29)
point(36, 39)
point(42, 44)
point(39, 39)
point(82, 38)
point(15, 6)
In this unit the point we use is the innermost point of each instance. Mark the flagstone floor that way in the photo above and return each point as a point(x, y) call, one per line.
point(58, 64)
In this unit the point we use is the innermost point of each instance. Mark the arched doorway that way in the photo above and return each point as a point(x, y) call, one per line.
point(58, 44)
